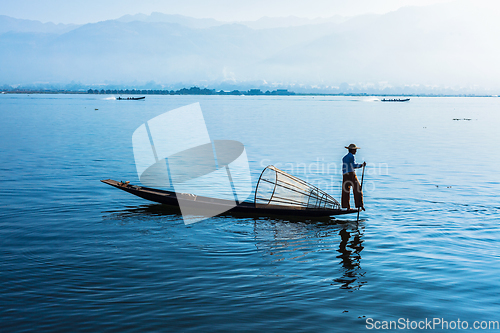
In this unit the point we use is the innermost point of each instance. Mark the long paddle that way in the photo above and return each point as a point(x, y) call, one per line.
point(361, 189)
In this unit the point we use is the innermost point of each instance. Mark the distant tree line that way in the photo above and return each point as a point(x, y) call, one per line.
point(190, 91)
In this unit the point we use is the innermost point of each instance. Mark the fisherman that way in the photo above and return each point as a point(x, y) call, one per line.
point(349, 179)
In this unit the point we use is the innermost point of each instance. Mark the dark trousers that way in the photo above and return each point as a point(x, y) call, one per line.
point(351, 180)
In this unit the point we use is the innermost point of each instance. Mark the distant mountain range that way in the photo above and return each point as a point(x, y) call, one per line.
point(262, 23)
point(447, 46)
point(9, 24)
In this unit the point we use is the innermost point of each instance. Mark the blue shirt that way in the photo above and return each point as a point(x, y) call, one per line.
point(349, 163)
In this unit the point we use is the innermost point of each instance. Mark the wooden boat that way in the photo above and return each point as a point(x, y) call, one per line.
point(130, 98)
point(206, 204)
point(396, 100)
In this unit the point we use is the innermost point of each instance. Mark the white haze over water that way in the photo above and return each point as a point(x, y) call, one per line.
point(436, 47)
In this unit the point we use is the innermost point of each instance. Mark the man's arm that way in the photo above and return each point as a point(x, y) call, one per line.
point(356, 165)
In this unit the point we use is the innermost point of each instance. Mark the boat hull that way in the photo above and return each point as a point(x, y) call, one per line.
point(206, 205)
point(396, 100)
point(130, 98)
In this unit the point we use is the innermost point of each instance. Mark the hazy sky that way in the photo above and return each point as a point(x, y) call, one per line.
point(78, 11)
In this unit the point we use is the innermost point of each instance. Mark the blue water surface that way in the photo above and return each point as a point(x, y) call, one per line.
point(78, 255)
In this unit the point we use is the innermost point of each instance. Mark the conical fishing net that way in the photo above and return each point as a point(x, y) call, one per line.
point(277, 189)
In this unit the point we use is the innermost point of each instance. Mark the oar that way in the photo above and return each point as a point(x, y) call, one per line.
point(361, 189)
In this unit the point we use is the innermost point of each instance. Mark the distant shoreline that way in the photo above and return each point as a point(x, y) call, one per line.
point(213, 92)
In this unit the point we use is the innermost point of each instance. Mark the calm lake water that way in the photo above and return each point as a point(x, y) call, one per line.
point(79, 255)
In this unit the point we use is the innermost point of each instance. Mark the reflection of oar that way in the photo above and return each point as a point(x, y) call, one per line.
point(361, 189)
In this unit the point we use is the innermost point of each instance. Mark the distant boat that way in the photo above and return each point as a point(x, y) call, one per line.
point(396, 100)
point(130, 98)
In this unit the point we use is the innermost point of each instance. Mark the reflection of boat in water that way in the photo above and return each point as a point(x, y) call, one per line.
point(327, 252)
point(277, 193)
point(130, 98)
point(282, 239)
point(396, 100)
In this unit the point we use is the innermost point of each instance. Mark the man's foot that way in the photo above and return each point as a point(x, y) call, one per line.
point(362, 208)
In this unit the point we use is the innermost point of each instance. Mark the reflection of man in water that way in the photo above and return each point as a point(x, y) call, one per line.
point(345, 253)
point(350, 260)
point(349, 179)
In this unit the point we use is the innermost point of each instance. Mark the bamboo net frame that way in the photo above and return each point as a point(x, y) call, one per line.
point(278, 189)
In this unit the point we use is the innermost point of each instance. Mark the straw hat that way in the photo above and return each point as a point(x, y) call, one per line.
point(352, 146)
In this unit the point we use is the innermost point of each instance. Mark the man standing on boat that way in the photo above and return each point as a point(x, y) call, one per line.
point(349, 179)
